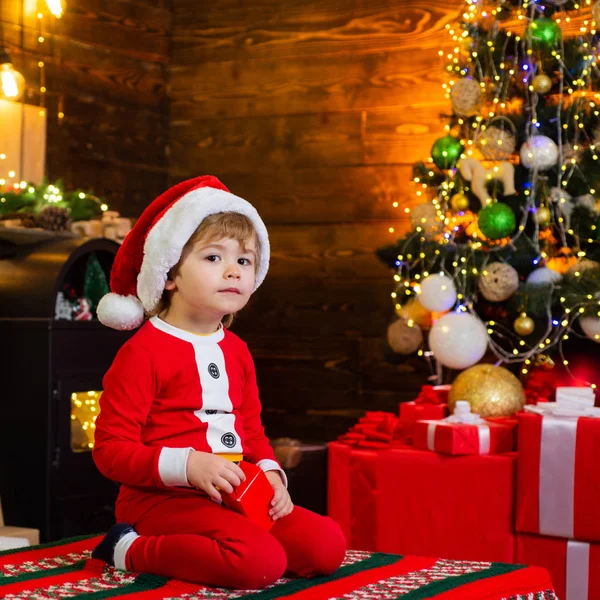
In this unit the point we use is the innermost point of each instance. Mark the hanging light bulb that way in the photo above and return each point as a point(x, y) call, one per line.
point(56, 7)
point(12, 83)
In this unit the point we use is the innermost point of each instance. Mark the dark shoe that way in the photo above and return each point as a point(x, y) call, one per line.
point(105, 550)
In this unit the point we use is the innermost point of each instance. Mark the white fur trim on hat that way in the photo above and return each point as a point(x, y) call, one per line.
point(120, 312)
point(167, 238)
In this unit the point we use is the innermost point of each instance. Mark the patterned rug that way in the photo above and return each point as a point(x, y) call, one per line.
point(65, 570)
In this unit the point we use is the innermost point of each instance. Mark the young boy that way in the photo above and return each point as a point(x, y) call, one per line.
point(180, 405)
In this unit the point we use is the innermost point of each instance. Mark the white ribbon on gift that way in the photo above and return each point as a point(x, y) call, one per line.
point(557, 466)
point(577, 570)
point(483, 432)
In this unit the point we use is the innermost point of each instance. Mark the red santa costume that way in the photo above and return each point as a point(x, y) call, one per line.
point(170, 392)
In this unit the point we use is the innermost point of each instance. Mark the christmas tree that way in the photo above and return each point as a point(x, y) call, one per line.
point(503, 251)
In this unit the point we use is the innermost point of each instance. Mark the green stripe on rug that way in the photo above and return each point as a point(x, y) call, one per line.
point(42, 573)
point(454, 581)
point(375, 561)
point(49, 544)
point(142, 583)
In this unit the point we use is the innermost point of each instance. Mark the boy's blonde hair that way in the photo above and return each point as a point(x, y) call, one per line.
point(215, 227)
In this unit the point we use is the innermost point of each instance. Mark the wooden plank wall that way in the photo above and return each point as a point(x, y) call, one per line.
point(314, 110)
point(106, 65)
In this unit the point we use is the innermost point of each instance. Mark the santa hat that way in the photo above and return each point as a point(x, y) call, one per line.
point(154, 246)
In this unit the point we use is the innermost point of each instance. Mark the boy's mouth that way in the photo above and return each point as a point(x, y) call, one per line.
point(230, 291)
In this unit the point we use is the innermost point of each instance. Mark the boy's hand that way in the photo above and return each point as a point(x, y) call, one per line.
point(281, 505)
point(207, 471)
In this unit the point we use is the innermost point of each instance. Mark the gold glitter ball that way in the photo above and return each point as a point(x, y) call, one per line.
point(491, 391)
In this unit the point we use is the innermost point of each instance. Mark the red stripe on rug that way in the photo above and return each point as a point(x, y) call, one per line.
point(349, 584)
point(528, 580)
point(40, 552)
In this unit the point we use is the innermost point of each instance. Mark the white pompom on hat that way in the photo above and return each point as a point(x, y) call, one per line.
point(154, 246)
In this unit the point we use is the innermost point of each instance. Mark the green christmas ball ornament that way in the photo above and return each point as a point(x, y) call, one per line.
point(496, 221)
point(446, 151)
point(544, 33)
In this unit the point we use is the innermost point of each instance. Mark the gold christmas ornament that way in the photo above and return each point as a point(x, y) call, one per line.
point(465, 96)
point(524, 325)
point(459, 202)
point(491, 391)
point(498, 282)
point(543, 216)
point(414, 311)
point(542, 84)
point(404, 337)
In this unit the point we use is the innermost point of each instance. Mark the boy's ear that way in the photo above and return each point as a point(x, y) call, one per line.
point(170, 283)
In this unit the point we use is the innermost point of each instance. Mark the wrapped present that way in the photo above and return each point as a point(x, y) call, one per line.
point(558, 475)
point(465, 433)
point(574, 566)
point(459, 507)
point(352, 493)
point(431, 403)
point(253, 496)
point(377, 430)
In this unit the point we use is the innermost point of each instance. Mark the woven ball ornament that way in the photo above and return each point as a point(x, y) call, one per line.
point(496, 143)
point(446, 151)
point(465, 96)
point(544, 33)
point(404, 338)
point(425, 216)
point(498, 282)
point(539, 152)
point(496, 221)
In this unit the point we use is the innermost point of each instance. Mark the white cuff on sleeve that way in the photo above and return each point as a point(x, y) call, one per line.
point(172, 464)
point(266, 464)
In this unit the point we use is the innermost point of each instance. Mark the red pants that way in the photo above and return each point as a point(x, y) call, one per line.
point(194, 539)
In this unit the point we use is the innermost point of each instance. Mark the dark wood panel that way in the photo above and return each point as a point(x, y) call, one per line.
point(381, 136)
point(312, 427)
point(129, 28)
point(305, 85)
point(322, 194)
point(233, 31)
point(76, 67)
point(331, 250)
point(322, 308)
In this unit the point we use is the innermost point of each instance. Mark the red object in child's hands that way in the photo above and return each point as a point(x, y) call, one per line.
point(253, 496)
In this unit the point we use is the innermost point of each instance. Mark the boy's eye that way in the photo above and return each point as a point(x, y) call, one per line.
point(245, 261)
point(212, 258)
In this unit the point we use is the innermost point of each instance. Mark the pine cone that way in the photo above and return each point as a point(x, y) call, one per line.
point(54, 218)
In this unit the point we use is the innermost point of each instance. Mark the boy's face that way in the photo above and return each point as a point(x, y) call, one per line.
point(215, 278)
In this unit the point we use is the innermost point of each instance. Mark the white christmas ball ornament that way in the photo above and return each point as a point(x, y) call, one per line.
point(438, 293)
point(539, 152)
point(458, 340)
point(591, 327)
point(543, 276)
point(465, 96)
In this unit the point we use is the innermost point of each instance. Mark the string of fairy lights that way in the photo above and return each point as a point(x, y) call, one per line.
point(498, 74)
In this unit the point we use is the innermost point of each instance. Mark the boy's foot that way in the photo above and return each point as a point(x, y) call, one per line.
point(105, 550)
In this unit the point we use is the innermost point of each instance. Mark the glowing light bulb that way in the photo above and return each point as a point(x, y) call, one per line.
point(12, 83)
point(56, 7)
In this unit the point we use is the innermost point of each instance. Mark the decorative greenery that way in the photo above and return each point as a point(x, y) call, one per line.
point(30, 199)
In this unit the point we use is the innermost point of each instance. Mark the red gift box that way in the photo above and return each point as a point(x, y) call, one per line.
point(460, 438)
point(558, 476)
point(458, 507)
point(352, 492)
point(252, 497)
point(573, 566)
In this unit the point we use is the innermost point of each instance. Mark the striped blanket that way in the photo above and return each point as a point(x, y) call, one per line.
point(64, 569)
